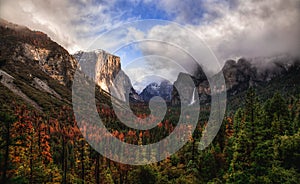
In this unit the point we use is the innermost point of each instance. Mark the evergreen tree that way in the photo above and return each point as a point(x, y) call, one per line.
point(243, 163)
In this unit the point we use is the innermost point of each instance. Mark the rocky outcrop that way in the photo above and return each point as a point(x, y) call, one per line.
point(58, 64)
point(238, 75)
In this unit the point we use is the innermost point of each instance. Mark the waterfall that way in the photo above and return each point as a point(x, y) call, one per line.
point(193, 100)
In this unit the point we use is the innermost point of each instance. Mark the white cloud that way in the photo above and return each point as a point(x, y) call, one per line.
point(70, 23)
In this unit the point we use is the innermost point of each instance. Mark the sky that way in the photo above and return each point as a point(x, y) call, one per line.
point(228, 29)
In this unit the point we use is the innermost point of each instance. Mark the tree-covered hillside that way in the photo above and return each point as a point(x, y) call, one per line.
point(259, 143)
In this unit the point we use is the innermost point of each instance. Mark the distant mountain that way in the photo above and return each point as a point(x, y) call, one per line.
point(164, 90)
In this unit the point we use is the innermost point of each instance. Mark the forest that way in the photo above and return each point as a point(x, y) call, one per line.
point(257, 143)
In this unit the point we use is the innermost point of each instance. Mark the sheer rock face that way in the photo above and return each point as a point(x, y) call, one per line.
point(100, 66)
point(105, 69)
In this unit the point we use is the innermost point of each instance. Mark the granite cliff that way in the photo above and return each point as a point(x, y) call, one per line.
point(105, 69)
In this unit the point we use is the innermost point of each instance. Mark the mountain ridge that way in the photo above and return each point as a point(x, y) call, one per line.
point(36, 69)
point(241, 74)
point(26, 55)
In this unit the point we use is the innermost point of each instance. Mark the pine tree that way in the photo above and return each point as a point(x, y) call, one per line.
point(277, 113)
point(245, 130)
